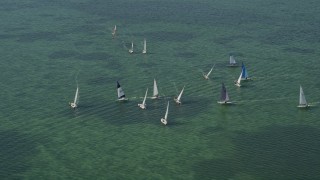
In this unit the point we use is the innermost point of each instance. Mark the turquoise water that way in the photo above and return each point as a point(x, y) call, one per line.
point(48, 46)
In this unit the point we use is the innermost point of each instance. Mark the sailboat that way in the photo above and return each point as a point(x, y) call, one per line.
point(131, 50)
point(238, 82)
point(114, 31)
point(224, 99)
point(245, 75)
point(74, 104)
point(178, 100)
point(232, 62)
point(144, 51)
point(302, 100)
point(164, 120)
point(121, 95)
point(206, 76)
point(144, 105)
point(155, 90)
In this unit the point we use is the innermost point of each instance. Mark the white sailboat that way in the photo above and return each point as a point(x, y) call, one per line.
point(224, 98)
point(238, 82)
point(232, 62)
point(302, 100)
point(178, 100)
point(121, 95)
point(206, 76)
point(164, 120)
point(144, 105)
point(155, 90)
point(144, 51)
point(131, 50)
point(114, 31)
point(74, 104)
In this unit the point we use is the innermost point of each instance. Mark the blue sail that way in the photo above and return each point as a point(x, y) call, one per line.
point(244, 72)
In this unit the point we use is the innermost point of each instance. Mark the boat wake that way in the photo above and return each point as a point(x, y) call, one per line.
point(260, 100)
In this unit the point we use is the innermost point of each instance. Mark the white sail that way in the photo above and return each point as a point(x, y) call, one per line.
point(144, 47)
point(207, 75)
point(131, 50)
point(210, 71)
point(155, 89)
point(166, 116)
point(179, 97)
point(232, 60)
point(76, 97)
point(145, 97)
point(114, 31)
point(238, 83)
point(302, 98)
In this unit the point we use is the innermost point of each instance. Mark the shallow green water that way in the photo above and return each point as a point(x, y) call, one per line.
point(47, 45)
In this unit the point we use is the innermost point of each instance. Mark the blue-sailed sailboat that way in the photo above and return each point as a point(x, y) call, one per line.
point(244, 75)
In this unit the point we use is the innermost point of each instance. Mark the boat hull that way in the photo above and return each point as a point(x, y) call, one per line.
point(164, 121)
point(177, 101)
point(73, 105)
point(232, 65)
point(224, 102)
point(303, 106)
point(123, 99)
point(142, 106)
point(154, 97)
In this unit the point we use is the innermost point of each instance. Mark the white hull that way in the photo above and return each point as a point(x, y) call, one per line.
point(144, 52)
point(123, 99)
point(130, 51)
point(237, 84)
point(142, 106)
point(177, 101)
point(164, 121)
point(224, 102)
point(303, 106)
point(205, 77)
point(232, 65)
point(154, 97)
point(73, 105)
